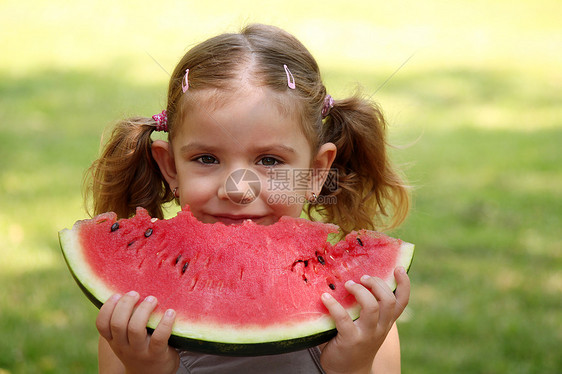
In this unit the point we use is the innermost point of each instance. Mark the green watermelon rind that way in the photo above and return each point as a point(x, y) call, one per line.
point(250, 349)
point(95, 289)
point(207, 338)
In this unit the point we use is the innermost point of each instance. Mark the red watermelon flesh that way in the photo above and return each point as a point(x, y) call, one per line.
point(237, 289)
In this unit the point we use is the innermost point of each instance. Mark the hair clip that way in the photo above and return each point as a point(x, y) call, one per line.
point(185, 81)
point(290, 78)
point(328, 104)
point(161, 121)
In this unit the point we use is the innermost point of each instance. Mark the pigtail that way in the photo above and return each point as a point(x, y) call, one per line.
point(370, 192)
point(126, 176)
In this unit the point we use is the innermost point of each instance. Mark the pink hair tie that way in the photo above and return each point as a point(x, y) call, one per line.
point(328, 104)
point(161, 120)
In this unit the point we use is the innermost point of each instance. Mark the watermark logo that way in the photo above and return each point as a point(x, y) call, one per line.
point(242, 186)
point(287, 199)
point(283, 185)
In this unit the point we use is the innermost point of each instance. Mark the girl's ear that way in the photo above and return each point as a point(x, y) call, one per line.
point(162, 153)
point(322, 163)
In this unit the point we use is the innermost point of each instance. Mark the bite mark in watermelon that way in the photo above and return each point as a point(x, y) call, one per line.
point(238, 289)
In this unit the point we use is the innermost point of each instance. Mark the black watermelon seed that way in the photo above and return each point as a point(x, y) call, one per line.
point(332, 286)
point(321, 260)
point(304, 262)
point(360, 242)
point(178, 259)
point(304, 278)
point(131, 243)
point(184, 267)
point(147, 233)
point(115, 226)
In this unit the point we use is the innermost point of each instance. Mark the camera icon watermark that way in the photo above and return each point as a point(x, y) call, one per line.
point(282, 185)
point(242, 186)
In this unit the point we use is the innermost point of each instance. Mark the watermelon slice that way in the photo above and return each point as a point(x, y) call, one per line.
point(237, 289)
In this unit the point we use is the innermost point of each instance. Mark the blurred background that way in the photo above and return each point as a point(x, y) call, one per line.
point(472, 93)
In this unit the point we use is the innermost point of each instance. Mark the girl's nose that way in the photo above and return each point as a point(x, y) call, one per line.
point(241, 186)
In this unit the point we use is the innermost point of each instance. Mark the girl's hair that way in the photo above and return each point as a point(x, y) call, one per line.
point(126, 175)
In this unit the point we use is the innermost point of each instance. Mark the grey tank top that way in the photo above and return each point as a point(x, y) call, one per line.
point(300, 362)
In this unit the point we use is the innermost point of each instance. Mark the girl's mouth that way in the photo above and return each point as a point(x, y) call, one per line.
point(235, 219)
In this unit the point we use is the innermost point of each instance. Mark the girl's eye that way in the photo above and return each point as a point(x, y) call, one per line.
point(206, 159)
point(269, 161)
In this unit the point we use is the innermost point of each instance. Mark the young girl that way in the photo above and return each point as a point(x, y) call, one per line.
point(254, 101)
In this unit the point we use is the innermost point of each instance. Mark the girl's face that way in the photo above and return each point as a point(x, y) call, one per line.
point(242, 160)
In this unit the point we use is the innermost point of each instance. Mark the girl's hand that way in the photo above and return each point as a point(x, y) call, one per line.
point(124, 328)
point(354, 348)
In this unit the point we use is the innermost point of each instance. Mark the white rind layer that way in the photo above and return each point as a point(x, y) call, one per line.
point(82, 272)
point(251, 334)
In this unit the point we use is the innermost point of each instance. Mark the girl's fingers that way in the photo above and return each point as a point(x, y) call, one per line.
point(344, 323)
point(120, 318)
point(391, 304)
point(369, 315)
point(136, 331)
point(384, 296)
point(159, 339)
point(104, 316)
point(402, 290)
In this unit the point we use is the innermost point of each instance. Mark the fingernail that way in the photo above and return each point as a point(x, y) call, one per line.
point(150, 299)
point(326, 296)
point(349, 283)
point(133, 293)
point(115, 297)
point(401, 270)
point(365, 278)
point(170, 313)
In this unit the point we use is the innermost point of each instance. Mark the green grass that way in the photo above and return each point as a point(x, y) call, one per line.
point(475, 114)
